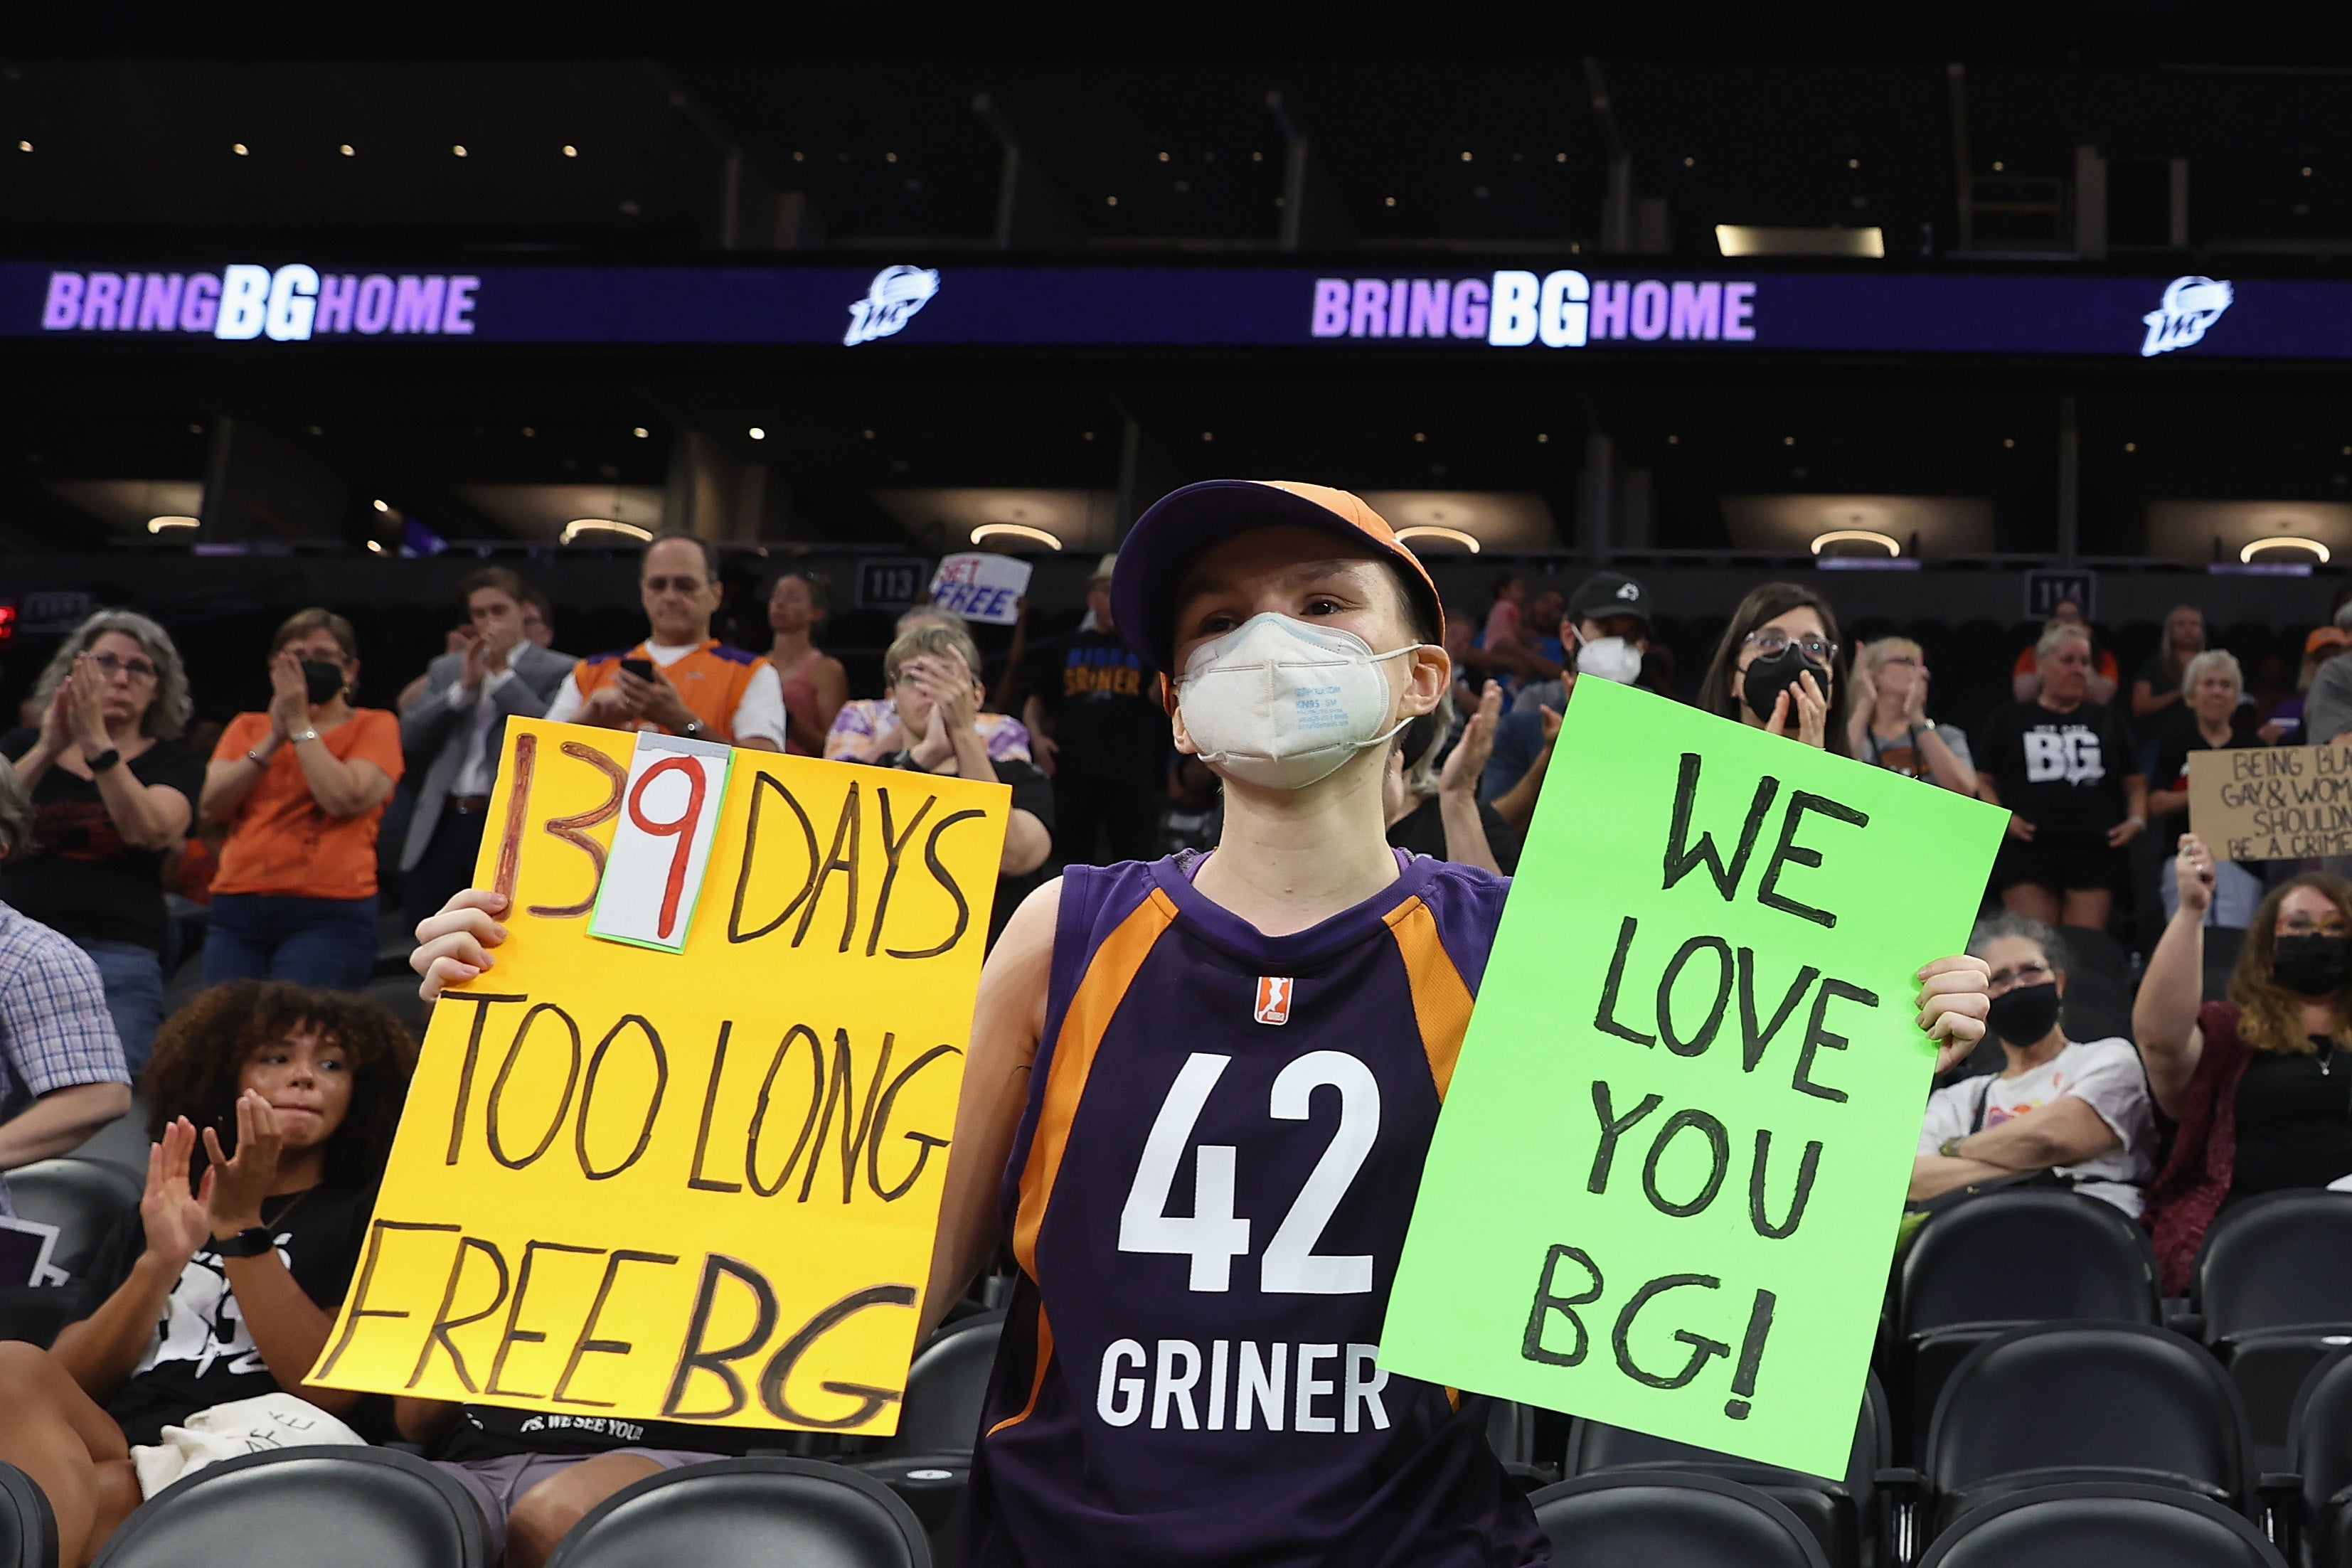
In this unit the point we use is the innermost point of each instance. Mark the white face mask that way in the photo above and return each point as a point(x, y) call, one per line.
point(1278, 703)
point(1611, 659)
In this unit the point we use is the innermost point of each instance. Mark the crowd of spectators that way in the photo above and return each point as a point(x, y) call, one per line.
point(275, 1089)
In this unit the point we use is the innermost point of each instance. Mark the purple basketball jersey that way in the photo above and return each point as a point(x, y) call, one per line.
point(1207, 1197)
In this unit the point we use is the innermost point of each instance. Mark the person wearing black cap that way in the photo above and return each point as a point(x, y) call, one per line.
point(1163, 1059)
point(1610, 614)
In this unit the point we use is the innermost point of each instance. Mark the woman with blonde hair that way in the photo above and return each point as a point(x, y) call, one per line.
point(114, 790)
point(2250, 1082)
point(2212, 719)
point(1890, 726)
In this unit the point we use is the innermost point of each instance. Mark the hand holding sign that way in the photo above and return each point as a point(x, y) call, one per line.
point(690, 1172)
point(1670, 1165)
point(981, 585)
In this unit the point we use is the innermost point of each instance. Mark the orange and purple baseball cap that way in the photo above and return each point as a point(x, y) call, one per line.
point(1184, 524)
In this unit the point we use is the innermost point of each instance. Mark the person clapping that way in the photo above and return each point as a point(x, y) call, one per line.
point(114, 790)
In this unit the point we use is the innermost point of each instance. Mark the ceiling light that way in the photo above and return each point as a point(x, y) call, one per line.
point(238, 148)
point(987, 531)
point(1431, 531)
point(459, 150)
point(382, 507)
point(2246, 556)
point(1856, 535)
point(639, 431)
point(1744, 239)
point(570, 151)
point(346, 150)
point(579, 526)
point(162, 524)
point(375, 546)
point(24, 147)
point(756, 433)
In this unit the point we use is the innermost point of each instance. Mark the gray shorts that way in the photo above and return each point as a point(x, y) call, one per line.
point(496, 1484)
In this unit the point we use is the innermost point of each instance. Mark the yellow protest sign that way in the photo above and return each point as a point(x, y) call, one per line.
point(697, 1185)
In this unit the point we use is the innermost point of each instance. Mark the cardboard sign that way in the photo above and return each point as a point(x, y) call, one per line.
point(981, 585)
point(690, 1186)
point(661, 841)
point(2272, 802)
point(1665, 1184)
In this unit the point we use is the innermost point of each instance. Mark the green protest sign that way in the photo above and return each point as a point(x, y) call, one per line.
point(1664, 1188)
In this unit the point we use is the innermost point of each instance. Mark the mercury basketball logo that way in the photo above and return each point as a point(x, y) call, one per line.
point(890, 302)
point(2190, 306)
point(1273, 999)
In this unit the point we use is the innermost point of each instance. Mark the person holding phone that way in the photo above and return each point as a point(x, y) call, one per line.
point(681, 680)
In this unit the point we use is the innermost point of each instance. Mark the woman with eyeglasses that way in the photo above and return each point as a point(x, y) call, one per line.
point(114, 790)
point(2069, 772)
point(2260, 1084)
point(1890, 723)
point(1776, 668)
point(302, 786)
point(2060, 1111)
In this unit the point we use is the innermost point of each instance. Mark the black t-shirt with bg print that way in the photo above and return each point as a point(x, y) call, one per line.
point(202, 1353)
point(2063, 772)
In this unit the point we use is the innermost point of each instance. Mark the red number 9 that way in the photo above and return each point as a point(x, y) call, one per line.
point(682, 829)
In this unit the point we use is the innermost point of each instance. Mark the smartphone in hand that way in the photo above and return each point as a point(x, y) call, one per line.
point(641, 668)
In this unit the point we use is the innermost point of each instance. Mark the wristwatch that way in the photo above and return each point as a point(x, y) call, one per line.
point(694, 728)
point(1950, 1148)
point(105, 759)
point(250, 1242)
point(296, 737)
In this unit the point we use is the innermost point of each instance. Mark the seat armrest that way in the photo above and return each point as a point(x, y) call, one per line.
point(1901, 1492)
point(2281, 1499)
point(2188, 1322)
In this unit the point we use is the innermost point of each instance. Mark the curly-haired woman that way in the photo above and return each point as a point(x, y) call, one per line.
point(2252, 1081)
point(273, 1109)
point(113, 789)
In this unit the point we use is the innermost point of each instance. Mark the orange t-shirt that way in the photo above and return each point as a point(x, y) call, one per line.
point(710, 681)
point(279, 841)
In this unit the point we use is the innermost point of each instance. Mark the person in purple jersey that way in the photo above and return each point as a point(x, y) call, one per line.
point(1201, 1091)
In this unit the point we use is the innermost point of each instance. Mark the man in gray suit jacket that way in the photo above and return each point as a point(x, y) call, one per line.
point(454, 731)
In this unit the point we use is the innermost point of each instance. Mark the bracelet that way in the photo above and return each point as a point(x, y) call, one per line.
point(256, 757)
point(294, 739)
point(1950, 1148)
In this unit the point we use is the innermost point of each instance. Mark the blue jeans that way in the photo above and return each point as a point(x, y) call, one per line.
point(329, 943)
point(134, 995)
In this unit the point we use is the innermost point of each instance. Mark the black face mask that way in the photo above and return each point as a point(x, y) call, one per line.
point(1773, 674)
point(323, 679)
point(2312, 965)
point(2025, 1015)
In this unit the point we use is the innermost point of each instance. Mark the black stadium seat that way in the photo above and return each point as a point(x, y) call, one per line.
point(748, 1513)
point(927, 1462)
point(1984, 1267)
point(1670, 1518)
point(2067, 1402)
point(298, 1507)
point(2097, 1006)
point(2096, 1525)
point(2273, 1284)
point(1841, 1514)
point(2319, 1456)
point(2090, 948)
point(1511, 1433)
point(83, 1198)
point(28, 1530)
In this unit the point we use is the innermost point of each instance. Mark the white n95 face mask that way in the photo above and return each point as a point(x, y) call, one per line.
point(1611, 659)
point(1281, 704)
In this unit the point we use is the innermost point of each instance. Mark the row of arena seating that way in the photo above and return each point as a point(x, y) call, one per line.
point(390, 1509)
point(2024, 1343)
